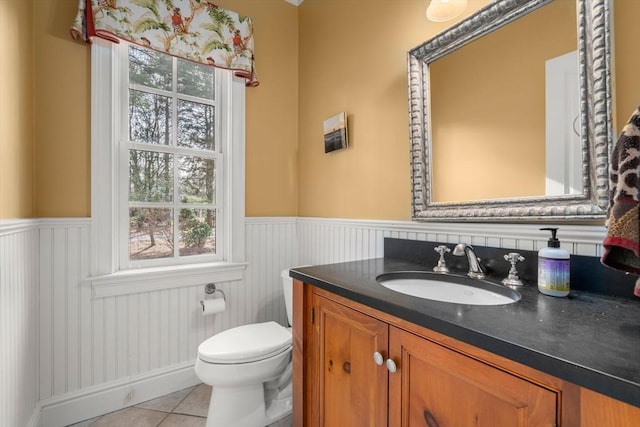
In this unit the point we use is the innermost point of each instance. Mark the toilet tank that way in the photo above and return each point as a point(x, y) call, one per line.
point(287, 287)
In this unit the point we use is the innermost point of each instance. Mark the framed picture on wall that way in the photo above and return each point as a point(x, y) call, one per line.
point(335, 133)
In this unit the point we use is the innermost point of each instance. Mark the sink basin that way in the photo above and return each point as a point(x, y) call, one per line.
point(448, 288)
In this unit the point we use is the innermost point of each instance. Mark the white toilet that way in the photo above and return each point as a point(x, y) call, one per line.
point(249, 369)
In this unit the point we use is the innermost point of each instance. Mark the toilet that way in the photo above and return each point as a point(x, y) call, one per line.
point(249, 369)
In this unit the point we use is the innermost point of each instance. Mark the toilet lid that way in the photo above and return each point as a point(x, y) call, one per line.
point(246, 343)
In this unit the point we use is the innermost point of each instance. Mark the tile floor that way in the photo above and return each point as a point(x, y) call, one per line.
point(184, 408)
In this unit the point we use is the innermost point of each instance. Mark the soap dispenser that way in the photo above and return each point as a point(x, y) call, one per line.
point(553, 267)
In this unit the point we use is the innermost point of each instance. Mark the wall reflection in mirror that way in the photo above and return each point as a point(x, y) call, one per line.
point(488, 110)
point(503, 118)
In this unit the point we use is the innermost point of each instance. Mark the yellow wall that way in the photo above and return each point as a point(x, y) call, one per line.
point(16, 110)
point(627, 60)
point(353, 58)
point(62, 111)
point(272, 108)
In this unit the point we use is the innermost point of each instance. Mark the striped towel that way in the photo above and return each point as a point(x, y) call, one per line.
point(622, 242)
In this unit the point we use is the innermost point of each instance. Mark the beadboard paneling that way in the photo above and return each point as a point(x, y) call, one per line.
point(87, 341)
point(324, 241)
point(270, 247)
point(18, 322)
point(63, 343)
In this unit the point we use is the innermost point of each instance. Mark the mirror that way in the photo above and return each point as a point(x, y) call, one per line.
point(503, 152)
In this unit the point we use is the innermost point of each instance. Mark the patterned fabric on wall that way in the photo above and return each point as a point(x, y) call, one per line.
point(197, 30)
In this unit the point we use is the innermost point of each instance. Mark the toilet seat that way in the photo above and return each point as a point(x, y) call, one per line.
point(247, 343)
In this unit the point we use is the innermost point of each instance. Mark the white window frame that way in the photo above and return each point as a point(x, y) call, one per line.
point(109, 276)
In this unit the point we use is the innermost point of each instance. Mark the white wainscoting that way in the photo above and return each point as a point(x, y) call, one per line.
point(104, 352)
point(76, 356)
point(323, 241)
point(18, 323)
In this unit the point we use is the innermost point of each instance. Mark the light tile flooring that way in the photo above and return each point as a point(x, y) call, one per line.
point(184, 408)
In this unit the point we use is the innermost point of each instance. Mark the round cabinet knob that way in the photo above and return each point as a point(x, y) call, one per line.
point(391, 366)
point(377, 357)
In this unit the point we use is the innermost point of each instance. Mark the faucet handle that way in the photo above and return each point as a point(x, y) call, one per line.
point(442, 264)
point(512, 279)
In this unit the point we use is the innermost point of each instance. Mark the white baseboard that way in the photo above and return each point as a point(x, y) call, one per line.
point(35, 420)
point(91, 402)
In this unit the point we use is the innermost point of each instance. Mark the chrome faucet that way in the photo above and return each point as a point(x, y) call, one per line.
point(476, 270)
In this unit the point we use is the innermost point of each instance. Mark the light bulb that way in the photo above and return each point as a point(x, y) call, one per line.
point(444, 10)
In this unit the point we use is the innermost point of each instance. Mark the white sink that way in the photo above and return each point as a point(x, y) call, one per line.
point(448, 288)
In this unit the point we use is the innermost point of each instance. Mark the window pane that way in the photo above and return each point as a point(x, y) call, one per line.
point(196, 125)
point(150, 233)
point(150, 176)
point(197, 232)
point(149, 118)
point(195, 79)
point(197, 180)
point(149, 68)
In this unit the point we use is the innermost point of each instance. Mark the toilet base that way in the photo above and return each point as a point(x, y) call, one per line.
point(280, 406)
point(237, 406)
point(248, 394)
point(244, 407)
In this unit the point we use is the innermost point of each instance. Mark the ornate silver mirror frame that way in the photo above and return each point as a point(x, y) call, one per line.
point(594, 46)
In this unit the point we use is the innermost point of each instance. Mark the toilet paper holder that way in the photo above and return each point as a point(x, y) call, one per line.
point(210, 289)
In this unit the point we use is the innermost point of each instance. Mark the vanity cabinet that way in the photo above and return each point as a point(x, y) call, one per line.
point(357, 366)
point(370, 373)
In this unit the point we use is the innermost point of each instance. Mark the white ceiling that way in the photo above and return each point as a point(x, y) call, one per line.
point(294, 2)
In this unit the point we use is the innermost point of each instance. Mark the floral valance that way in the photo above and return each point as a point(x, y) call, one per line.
point(197, 30)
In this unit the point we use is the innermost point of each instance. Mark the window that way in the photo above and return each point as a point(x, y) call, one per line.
point(167, 171)
point(174, 160)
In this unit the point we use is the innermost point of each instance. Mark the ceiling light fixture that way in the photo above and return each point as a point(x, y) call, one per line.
point(444, 10)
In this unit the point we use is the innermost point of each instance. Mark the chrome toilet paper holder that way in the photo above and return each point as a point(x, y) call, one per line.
point(210, 289)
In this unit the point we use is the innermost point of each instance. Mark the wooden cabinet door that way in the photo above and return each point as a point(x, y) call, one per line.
point(351, 388)
point(438, 387)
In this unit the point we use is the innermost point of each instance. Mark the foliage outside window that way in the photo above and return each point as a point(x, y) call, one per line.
point(174, 159)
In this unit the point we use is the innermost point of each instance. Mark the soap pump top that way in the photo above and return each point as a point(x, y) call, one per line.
point(553, 241)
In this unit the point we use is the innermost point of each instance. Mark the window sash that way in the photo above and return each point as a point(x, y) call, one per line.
point(124, 145)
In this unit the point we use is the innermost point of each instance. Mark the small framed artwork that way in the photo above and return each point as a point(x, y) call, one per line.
point(335, 133)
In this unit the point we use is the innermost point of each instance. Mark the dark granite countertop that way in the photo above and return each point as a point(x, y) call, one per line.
point(588, 339)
